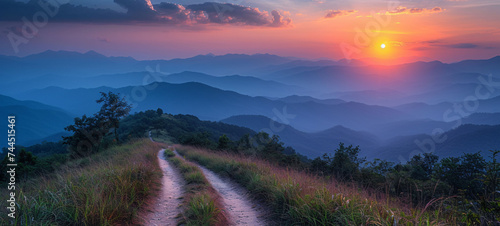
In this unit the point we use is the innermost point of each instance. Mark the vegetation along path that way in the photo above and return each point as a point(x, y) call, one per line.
point(167, 206)
point(241, 209)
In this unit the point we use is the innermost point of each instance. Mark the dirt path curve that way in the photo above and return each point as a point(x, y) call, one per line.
point(241, 209)
point(167, 204)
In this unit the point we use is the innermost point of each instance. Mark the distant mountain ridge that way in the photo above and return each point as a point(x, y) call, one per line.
point(210, 103)
point(318, 102)
point(466, 138)
point(34, 120)
point(309, 144)
point(245, 85)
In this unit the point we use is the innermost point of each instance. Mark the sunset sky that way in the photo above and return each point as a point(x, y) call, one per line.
point(445, 30)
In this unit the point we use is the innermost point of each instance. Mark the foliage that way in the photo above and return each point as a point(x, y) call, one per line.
point(224, 142)
point(344, 164)
point(107, 188)
point(184, 129)
point(454, 190)
point(299, 198)
point(89, 131)
point(113, 109)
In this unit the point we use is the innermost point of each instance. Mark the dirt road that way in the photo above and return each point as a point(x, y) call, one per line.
point(167, 205)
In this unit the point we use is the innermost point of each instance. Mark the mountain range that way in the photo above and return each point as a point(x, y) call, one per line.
point(317, 103)
point(309, 144)
point(33, 120)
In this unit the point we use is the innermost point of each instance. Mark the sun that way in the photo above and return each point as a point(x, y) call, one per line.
point(382, 46)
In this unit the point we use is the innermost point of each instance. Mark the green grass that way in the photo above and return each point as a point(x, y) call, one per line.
point(161, 136)
point(108, 188)
point(169, 153)
point(201, 206)
point(194, 178)
point(202, 210)
point(299, 198)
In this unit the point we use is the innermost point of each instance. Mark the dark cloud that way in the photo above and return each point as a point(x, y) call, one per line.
point(226, 13)
point(337, 13)
point(138, 9)
point(438, 43)
point(468, 46)
point(463, 46)
point(144, 11)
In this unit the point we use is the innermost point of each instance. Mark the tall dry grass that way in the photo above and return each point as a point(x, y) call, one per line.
point(107, 188)
point(301, 198)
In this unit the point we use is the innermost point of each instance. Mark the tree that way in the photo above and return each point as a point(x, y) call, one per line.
point(27, 158)
point(274, 146)
point(158, 124)
point(113, 109)
point(422, 166)
point(159, 111)
point(465, 173)
point(26, 162)
point(88, 133)
point(244, 143)
point(319, 165)
point(224, 142)
point(4, 168)
point(473, 170)
point(493, 175)
point(345, 162)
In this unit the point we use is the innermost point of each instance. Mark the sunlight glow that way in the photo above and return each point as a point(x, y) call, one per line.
point(382, 46)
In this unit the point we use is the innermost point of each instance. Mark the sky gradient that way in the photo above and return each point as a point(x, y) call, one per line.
point(442, 30)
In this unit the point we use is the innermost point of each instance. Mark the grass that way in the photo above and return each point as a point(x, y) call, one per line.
point(161, 136)
point(169, 153)
point(107, 188)
point(201, 201)
point(300, 198)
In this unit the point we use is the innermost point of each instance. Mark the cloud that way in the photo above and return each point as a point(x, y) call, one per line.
point(226, 13)
point(138, 9)
point(462, 46)
point(403, 10)
point(427, 45)
point(337, 13)
point(467, 46)
point(145, 11)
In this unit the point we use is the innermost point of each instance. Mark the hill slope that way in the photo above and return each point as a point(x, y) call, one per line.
point(309, 144)
point(33, 120)
point(464, 139)
point(245, 85)
point(210, 103)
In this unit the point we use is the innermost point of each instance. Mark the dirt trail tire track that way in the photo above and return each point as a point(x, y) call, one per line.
point(241, 209)
point(167, 205)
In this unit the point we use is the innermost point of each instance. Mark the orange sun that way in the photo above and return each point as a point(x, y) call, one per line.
point(382, 46)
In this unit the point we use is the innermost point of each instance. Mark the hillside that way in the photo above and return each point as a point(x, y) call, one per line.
point(409, 127)
point(210, 103)
point(293, 99)
point(309, 144)
point(180, 128)
point(483, 119)
point(34, 120)
point(464, 139)
point(245, 85)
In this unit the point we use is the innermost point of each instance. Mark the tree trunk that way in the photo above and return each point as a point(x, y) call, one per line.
point(116, 136)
